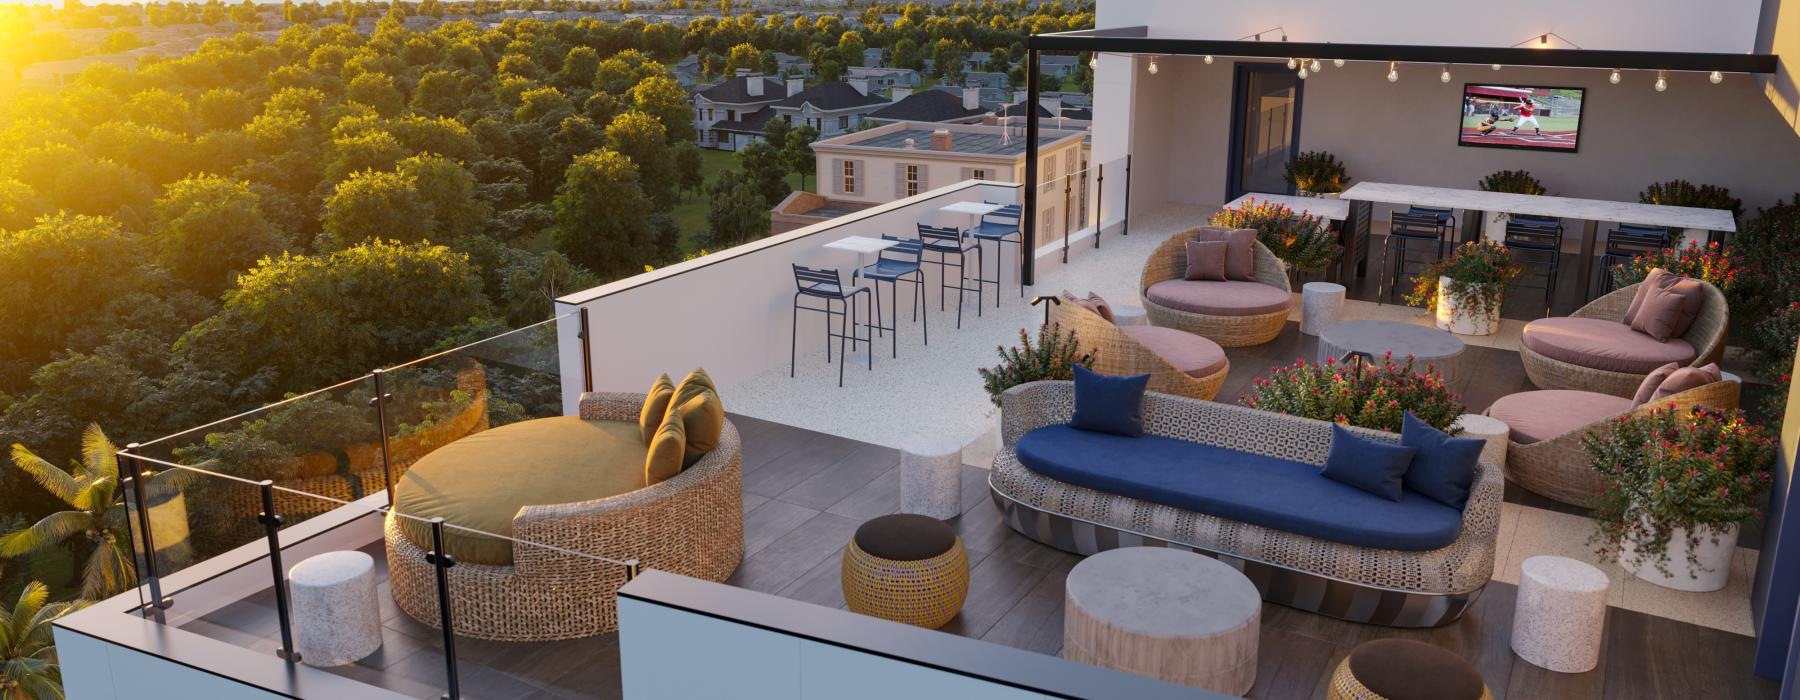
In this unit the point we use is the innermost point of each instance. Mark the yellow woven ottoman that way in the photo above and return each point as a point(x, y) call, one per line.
point(906, 568)
point(1402, 669)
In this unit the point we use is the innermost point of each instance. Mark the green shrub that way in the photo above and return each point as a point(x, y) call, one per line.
point(1512, 181)
point(1317, 171)
point(1053, 357)
point(1302, 242)
point(1681, 193)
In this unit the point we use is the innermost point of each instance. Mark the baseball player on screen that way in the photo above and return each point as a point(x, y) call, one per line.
point(1527, 113)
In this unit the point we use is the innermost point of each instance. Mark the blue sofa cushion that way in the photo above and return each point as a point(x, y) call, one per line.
point(1109, 404)
point(1371, 465)
point(1443, 467)
point(1266, 491)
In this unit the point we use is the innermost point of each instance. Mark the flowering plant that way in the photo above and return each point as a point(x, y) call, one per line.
point(1697, 470)
point(1364, 394)
point(1053, 357)
point(1302, 241)
point(1479, 273)
point(1707, 263)
point(1779, 336)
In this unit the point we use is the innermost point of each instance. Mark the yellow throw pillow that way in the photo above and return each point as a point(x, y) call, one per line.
point(656, 407)
point(703, 418)
point(698, 376)
point(666, 450)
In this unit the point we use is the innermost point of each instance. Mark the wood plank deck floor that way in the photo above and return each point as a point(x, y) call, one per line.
point(806, 492)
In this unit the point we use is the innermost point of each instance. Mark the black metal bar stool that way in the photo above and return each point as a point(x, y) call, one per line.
point(1002, 226)
point(1536, 241)
point(893, 265)
point(1626, 242)
point(947, 242)
point(1404, 229)
point(825, 284)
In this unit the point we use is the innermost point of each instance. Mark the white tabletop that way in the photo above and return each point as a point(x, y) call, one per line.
point(1544, 205)
point(1333, 209)
point(973, 208)
point(861, 244)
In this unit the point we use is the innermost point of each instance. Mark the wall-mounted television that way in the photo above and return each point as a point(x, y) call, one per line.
point(1523, 117)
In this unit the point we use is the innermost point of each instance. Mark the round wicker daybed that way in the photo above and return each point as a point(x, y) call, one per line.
point(1234, 313)
point(571, 483)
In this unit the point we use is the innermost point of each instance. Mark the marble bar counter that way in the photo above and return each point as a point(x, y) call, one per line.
point(1330, 208)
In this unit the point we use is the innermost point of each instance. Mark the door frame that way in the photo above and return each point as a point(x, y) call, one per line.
point(1240, 82)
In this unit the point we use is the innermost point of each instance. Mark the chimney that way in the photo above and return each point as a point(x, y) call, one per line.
point(753, 85)
point(795, 86)
point(940, 140)
point(971, 98)
point(899, 93)
point(1053, 104)
point(861, 85)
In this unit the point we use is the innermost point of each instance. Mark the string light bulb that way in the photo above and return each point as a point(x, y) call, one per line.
point(1303, 72)
point(1293, 62)
point(1444, 77)
point(1317, 66)
point(1337, 63)
point(1094, 62)
point(1393, 71)
point(1716, 77)
point(1662, 80)
point(1614, 78)
point(1495, 66)
point(1207, 58)
point(1153, 68)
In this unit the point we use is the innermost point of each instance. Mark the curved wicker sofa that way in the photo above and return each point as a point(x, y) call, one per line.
point(1359, 584)
point(1559, 469)
point(691, 524)
point(1169, 262)
point(1707, 335)
point(1121, 355)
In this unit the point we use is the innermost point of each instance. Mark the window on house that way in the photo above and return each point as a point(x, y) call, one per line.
point(978, 174)
point(849, 177)
point(731, 115)
point(789, 118)
point(710, 115)
point(914, 177)
point(844, 122)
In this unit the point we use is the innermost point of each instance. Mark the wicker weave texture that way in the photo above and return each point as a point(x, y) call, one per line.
point(927, 593)
point(1707, 335)
point(1345, 686)
point(1169, 262)
point(691, 524)
point(1464, 565)
point(1559, 469)
point(1120, 355)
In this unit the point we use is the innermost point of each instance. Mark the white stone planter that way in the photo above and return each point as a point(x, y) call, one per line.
point(1714, 557)
point(1321, 195)
point(1452, 318)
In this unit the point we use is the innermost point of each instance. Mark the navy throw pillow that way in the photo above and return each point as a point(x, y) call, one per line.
point(1371, 465)
point(1109, 404)
point(1443, 468)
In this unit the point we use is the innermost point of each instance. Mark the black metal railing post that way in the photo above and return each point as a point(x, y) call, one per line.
point(1065, 212)
point(380, 402)
point(587, 354)
point(151, 575)
point(271, 522)
point(1099, 190)
point(442, 562)
point(1125, 218)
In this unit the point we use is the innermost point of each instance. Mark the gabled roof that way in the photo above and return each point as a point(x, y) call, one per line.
point(736, 90)
point(1077, 113)
point(751, 123)
point(830, 96)
point(928, 106)
point(1016, 110)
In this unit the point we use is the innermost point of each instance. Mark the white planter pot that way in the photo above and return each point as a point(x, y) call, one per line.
point(1452, 318)
point(1493, 228)
point(1714, 557)
point(1320, 195)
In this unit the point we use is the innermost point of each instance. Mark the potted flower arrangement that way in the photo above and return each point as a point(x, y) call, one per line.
point(1678, 482)
point(1466, 290)
point(1707, 263)
point(1302, 241)
point(1364, 394)
point(1054, 356)
point(1317, 174)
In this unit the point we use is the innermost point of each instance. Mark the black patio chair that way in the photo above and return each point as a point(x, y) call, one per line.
point(947, 243)
point(838, 301)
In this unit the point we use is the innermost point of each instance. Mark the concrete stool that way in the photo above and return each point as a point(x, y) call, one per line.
point(931, 477)
point(1493, 430)
point(1164, 613)
point(1129, 315)
point(337, 617)
point(1560, 615)
point(1320, 305)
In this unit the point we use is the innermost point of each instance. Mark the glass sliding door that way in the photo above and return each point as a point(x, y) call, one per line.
point(1265, 126)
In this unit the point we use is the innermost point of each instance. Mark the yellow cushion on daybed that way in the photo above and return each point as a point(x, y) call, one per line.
point(482, 480)
point(697, 402)
point(668, 448)
point(656, 407)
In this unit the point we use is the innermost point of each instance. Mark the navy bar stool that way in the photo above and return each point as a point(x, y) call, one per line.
point(1537, 242)
point(1626, 242)
point(839, 302)
point(899, 263)
point(1405, 229)
point(1002, 227)
point(947, 242)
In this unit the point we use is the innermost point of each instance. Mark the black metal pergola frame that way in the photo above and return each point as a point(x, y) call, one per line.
point(1137, 40)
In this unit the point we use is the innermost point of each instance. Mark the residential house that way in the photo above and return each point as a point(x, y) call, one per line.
point(933, 106)
point(885, 78)
point(871, 58)
point(1059, 66)
point(986, 79)
point(977, 61)
point(831, 108)
point(729, 113)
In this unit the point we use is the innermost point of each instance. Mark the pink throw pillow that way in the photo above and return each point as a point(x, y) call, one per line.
point(1687, 378)
point(1647, 388)
point(1206, 260)
point(1240, 252)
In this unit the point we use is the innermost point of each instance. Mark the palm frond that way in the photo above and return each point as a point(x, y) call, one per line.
point(109, 570)
point(99, 456)
point(54, 528)
point(44, 684)
point(59, 483)
point(97, 495)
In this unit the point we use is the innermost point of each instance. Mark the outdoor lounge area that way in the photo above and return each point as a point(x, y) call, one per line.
point(1214, 438)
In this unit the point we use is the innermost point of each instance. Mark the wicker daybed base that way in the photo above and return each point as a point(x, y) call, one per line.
point(1117, 354)
point(1360, 584)
point(1169, 262)
point(1707, 334)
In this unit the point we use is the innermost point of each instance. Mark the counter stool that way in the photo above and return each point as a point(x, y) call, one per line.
point(1002, 226)
point(1537, 242)
point(1406, 229)
point(947, 242)
point(840, 303)
point(907, 568)
point(902, 262)
point(1624, 243)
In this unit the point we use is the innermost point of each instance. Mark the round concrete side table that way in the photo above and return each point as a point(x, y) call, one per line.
point(1129, 315)
point(337, 617)
point(1560, 614)
point(1164, 613)
point(1493, 430)
point(931, 477)
point(1320, 305)
point(1427, 346)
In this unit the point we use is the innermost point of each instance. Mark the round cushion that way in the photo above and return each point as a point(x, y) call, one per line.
point(1193, 355)
point(1597, 343)
point(481, 481)
point(905, 537)
point(1535, 416)
point(1219, 298)
point(1402, 669)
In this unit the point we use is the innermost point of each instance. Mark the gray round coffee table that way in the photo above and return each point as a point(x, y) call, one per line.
point(1164, 613)
point(1378, 338)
